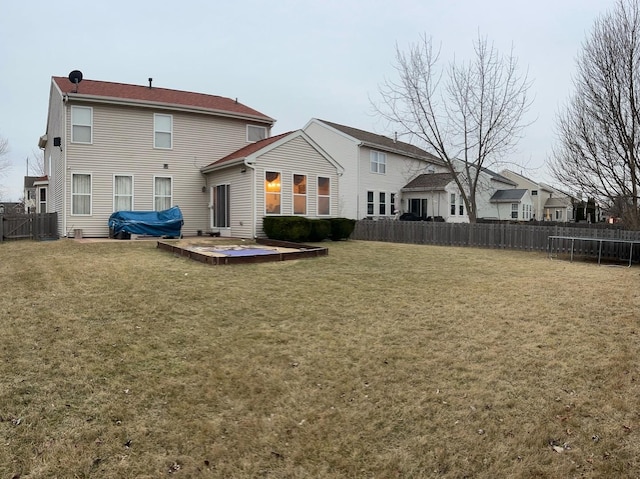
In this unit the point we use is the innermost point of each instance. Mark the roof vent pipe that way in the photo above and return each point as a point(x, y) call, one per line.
point(150, 80)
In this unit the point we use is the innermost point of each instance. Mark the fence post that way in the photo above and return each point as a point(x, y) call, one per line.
point(1, 229)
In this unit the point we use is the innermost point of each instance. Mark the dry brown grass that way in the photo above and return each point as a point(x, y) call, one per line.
point(378, 361)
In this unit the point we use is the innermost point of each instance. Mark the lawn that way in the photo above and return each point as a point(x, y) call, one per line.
point(380, 360)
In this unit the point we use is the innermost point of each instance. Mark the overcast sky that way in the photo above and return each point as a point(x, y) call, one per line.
point(291, 60)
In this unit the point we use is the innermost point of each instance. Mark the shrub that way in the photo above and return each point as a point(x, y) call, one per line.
point(287, 228)
point(320, 230)
point(341, 228)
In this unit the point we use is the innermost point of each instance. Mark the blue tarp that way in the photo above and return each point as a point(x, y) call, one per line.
point(151, 223)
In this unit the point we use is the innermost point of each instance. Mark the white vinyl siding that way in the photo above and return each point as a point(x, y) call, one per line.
point(81, 124)
point(122, 193)
point(299, 157)
point(80, 194)
point(162, 192)
point(122, 145)
point(256, 133)
point(163, 131)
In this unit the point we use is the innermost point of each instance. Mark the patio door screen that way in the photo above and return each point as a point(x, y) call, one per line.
point(220, 206)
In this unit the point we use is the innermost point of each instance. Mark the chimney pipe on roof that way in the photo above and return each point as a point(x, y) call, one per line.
point(395, 137)
point(150, 80)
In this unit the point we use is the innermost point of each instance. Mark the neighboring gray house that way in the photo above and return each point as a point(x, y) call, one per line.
point(549, 203)
point(514, 204)
point(376, 168)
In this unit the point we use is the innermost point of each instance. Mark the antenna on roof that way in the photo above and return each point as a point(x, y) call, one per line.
point(75, 77)
point(150, 80)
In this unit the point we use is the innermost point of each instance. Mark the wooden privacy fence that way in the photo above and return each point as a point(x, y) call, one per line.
point(499, 235)
point(40, 226)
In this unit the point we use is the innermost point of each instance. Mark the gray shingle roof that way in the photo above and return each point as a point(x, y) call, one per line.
point(508, 196)
point(384, 143)
point(429, 181)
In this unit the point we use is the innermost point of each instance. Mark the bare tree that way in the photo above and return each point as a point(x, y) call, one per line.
point(35, 163)
point(599, 130)
point(470, 115)
point(5, 162)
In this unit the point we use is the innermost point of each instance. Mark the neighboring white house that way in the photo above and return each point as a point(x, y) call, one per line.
point(287, 174)
point(549, 203)
point(112, 146)
point(375, 168)
point(437, 196)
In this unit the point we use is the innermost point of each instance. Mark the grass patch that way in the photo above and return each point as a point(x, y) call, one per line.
point(379, 360)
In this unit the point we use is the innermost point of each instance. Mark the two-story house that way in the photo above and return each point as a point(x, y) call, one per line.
point(437, 195)
point(118, 147)
point(549, 203)
point(376, 168)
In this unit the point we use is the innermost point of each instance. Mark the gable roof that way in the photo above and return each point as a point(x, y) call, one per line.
point(248, 154)
point(247, 150)
point(122, 92)
point(429, 181)
point(508, 196)
point(382, 142)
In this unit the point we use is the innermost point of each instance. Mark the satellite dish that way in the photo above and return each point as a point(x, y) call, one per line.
point(75, 77)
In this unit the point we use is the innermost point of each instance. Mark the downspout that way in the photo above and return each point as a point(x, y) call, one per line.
point(253, 197)
point(65, 100)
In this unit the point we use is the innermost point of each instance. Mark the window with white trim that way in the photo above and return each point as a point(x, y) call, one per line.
point(324, 196)
point(81, 194)
point(256, 133)
point(392, 209)
point(370, 203)
point(162, 131)
point(514, 211)
point(272, 192)
point(453, 204)
point(299, 194)
point(81, 124)
point(122, 193)
point(382, 208)
point(162, 192)
point(378, 162)
point(42, 207)
point(461, 205)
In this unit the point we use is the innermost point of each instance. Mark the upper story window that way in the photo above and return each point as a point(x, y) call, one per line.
point(534, 192)
point(378, 162)
point(81, 124)
point(162, 131)
point(256, 133)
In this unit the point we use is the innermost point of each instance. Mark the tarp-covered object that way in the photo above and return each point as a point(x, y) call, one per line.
point(151, 223)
